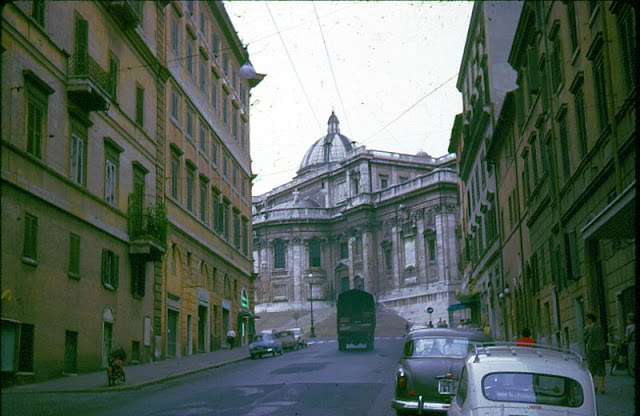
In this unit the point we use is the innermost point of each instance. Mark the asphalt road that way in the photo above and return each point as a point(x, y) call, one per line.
point(316, 381)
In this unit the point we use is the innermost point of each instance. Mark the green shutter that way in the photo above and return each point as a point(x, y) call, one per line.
point(116, 271)
point(105, 267)
point(81, 47)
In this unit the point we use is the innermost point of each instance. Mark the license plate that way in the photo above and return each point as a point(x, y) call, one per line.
point(446, 386)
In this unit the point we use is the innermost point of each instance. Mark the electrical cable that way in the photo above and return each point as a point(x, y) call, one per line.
point(293, 66)
point(333, 75)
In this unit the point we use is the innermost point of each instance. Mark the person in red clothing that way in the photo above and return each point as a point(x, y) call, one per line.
point(525, 340)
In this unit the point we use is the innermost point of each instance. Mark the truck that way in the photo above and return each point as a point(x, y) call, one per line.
point(356, 319)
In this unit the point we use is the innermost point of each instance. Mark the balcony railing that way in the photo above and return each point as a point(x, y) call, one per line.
point(126, 12)
point(147, 226)
point(88, 82)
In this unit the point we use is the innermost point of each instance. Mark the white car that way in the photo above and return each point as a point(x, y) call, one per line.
point(533, 380)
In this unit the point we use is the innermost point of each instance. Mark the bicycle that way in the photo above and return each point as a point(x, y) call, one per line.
point(619, 358)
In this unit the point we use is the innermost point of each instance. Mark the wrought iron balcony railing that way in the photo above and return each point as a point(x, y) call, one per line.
point(147, 221)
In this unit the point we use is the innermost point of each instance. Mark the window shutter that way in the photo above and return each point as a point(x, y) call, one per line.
point(532, 69)
point(81, 46)
point(104, 266)
point(115, 271)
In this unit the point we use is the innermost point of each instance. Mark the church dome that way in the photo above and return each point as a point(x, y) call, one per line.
point(331, 148)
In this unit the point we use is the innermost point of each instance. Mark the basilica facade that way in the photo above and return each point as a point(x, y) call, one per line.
point(353, 217)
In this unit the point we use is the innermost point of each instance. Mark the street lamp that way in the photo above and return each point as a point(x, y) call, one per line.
point(312, 332)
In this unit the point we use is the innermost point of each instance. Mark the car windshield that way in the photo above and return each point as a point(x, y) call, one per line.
point(262, 337)
point(533, 388)
point(437, 347)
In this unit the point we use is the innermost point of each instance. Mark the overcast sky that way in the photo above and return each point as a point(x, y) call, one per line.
point(387, 69)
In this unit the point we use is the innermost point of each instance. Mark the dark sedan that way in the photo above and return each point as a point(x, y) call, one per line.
point(430, 366)
point(288, 340)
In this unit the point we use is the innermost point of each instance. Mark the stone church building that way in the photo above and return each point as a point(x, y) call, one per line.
point(352, 217)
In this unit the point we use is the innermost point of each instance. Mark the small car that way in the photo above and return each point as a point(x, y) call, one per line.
point(506, 379)
point(299, 335)
point(288, 340)
point(264, 344)
point(430, 367)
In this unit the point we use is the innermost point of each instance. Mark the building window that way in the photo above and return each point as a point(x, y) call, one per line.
point(556, 64)
point(110, 275)
point(564, 144)
point(314, 253)
point(214, 97)
point(571, 252)
point(534, 159)
point(190, 184)
point(203, 138)
point(278, 255)
point(601, 92)
point(225, 64)
point(573, 25)
point(225, 165)
point(77, 159)
point(190, 58)
point(236, 231)
point(189, 123)
point(174, 106)
point(36, 97)
point(234, 177)
point(217, 212)
point(215, 45)
point(111, 181)
point(138, 279)
point(344, 250)
point(225, 110)
point(203, 199)
point(175, 175)
point(225, 220)
point(581, 128)
point(139, 105)
point(214, 153)
point(627, 45)
point(30, 249)
point(175, 36)
point(245, 237)
point(74, 256)
point(37, 11)
point(114, 71)
point(431, 246)
point(203, 77)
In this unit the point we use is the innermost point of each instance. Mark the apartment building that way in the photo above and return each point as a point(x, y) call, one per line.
point(484, 78)
point(208, 271)
point(575, 113)
point(83, 220)
point(125, 182)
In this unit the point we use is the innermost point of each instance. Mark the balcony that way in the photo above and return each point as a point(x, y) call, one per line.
point(147, 228)
point(88, 83)
point(126, 12)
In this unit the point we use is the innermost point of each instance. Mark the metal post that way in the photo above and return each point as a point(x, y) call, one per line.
point(312, 333)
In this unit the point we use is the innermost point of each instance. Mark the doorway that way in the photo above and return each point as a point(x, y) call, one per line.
point(172, 332)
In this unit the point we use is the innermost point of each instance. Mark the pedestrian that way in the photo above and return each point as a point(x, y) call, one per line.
point(630, 339)
point(595, 348)
point(231, 336)
point(525, 340)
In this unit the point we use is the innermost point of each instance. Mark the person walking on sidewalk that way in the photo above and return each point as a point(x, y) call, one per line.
point(630, 339)
point(231, 336)
point(595, 348)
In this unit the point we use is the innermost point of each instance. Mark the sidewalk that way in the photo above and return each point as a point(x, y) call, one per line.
point(619, 398)
point(137, 375)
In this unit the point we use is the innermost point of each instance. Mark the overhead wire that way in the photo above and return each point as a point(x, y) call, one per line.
point(333, 74)
point(284, 45)
point(410, 107)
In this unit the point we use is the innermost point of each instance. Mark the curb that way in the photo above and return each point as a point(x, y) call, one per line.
point(124, 387)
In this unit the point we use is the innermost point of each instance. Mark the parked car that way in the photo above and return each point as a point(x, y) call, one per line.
point(264, 343)
point(300, 337)
point(288, 340)
point(430, 367)
point(532, 380)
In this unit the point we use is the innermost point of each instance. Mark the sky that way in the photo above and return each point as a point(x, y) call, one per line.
point(388, 69)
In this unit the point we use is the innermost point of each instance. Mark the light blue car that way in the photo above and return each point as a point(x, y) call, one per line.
point(265, 343)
